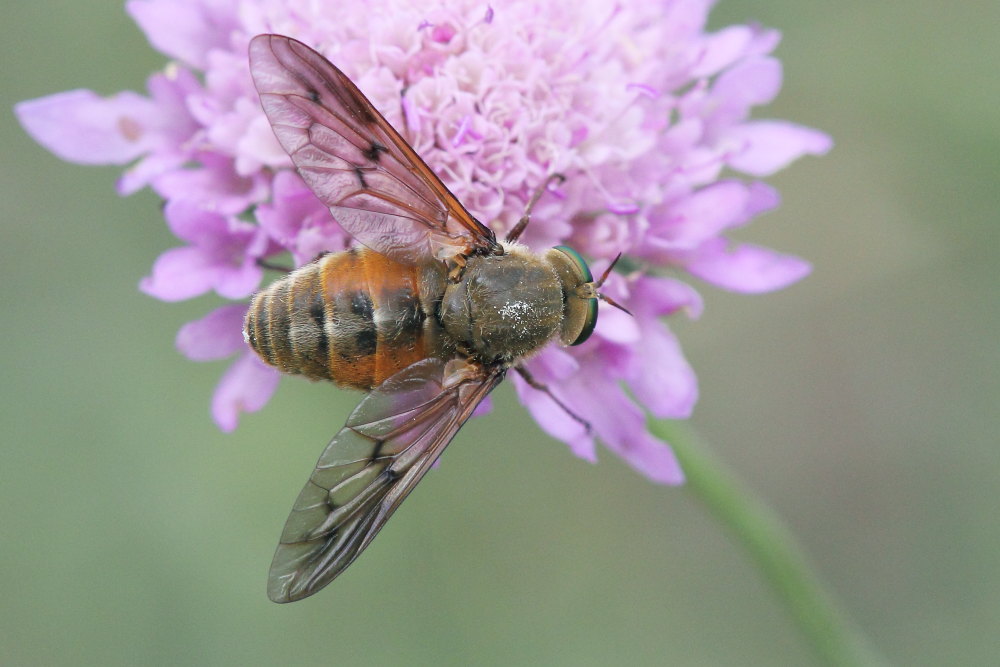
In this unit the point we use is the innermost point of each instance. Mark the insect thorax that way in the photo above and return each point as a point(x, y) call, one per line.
point(506, 306)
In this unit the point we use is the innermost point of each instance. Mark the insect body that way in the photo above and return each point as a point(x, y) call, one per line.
point(427, 316)
point(357, 318)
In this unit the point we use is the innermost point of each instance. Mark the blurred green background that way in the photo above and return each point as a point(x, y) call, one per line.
point(862, 404)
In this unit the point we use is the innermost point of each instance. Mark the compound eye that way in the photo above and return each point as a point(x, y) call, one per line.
point(589, 324)
point(582, 312)
point(578, 261)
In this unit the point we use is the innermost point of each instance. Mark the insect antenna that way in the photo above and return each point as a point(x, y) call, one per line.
point(607, 271)
point(611, 302)
point(607, 299)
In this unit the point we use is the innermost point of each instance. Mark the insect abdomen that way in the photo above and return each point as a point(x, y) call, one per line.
point(352, 317)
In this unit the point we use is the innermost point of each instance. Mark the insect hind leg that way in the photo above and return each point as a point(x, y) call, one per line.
point(519, 228)
point(540, 386)
point(280, 268)
point(270, 266)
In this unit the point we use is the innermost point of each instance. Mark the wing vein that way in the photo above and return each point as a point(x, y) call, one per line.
point(329, 129)
point(413, 415)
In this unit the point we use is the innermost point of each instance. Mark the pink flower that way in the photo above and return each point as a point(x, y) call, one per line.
point(222, 255)
point(249, 383)
point(646, 114)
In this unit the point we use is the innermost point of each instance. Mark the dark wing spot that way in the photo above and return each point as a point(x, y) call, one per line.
point(361, 177)
point(313, 95)
point(374, 151)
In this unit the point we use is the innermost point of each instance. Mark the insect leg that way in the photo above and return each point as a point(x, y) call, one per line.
point(264, 264)
point(535, 384)
point(517, 230)
point(608, 299)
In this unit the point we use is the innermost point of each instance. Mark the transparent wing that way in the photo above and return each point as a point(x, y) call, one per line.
point(375, 184)
point(389, 442)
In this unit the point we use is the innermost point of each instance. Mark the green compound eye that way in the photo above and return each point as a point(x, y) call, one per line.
point(586, 308)
point(588, 328)
point(579, 261)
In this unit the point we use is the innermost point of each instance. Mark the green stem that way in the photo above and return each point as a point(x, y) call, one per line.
point(771, 546)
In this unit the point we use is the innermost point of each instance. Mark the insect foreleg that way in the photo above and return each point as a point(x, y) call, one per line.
point(518, 229)
point(540, 386)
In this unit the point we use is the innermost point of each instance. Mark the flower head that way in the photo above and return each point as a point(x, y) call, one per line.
point(645, 113)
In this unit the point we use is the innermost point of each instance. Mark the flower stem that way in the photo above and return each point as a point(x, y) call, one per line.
point(771, 545)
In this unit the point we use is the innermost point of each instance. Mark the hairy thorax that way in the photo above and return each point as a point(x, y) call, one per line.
point(504, 307)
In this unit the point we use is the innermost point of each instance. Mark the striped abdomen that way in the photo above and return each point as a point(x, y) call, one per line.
point(352, 317)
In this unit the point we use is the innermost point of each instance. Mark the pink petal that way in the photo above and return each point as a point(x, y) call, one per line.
point(662, 378)
point(621, 426)
point(763, 198)
point(702, 215)
point(615, 418)
point(80, 126)
point(616, 326)
point(260, 146)
point(246, 386)
point(752, 82)
point(554, 364)
point(721, 49)
point(746, 268)
point(764, 41)
point(190, 221)
point(553, 367)
point(484, 408)
point(145, 170)
point(179, 28)
point(297, 220)
point(682, 20)
point(214, 185)
point(653, 458)
point(553, 419)
point(654, 296)
point(767, 146)
point(215, 336)
point(239, 282)
point(180, 273)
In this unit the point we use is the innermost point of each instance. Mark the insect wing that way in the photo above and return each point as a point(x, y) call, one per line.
point(390, 440)
point(377, 187)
